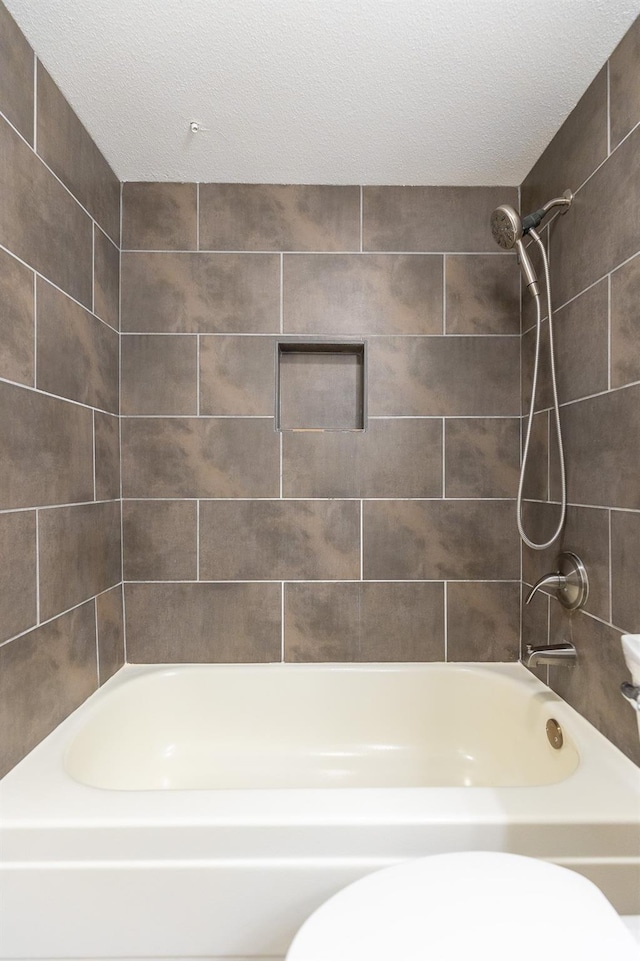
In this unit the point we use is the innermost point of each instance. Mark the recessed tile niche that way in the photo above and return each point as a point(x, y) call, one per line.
point(320, 386)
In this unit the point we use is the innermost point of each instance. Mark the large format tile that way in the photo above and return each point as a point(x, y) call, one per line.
point(203, 623)
point(159, 216)
point(40, 222)
point(602, 449)
point(483, 621)
point(364, 622)
point(44, 676)
point(624, 84)
point(110, 624)
point(601, 229)
point(349, 294)
point(159, 374)
point(277, 217)
point(321, 389)
point(190, 457)
point(585, 533)
point(432, 219)
point(625, 324)
point(392, 458)
point(17, 330)
point(237, 375)
point(482, 294)
point(65, 145)
point(106, 279)
point(79, 549)
point(77, 353)
point(200, 293)
point(446, 376)
point(575, 151)
point(625, 564)
point(107, 456)
point(482, 456)
point(592, 685)
point(47, 447)
point(279, 540)
point(433, 540)
point(17, 573)
point(160, 540)
point(16, 76)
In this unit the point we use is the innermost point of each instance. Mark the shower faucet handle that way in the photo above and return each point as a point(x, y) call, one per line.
point(569, 581)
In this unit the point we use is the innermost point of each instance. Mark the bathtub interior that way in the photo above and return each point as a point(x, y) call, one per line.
point(301, 726)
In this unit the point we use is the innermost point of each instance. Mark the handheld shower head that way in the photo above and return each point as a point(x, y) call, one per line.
point(506, 227)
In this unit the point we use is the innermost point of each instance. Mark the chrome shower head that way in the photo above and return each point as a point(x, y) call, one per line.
point(506, 226)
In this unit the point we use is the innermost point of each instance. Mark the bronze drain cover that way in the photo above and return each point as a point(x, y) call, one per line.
point(554, 733)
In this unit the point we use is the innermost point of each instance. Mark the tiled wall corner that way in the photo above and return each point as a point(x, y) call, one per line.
point(595, 270)
point(342, 536)
point(60, 574)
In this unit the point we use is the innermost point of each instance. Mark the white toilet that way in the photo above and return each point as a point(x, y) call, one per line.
point(469, 906)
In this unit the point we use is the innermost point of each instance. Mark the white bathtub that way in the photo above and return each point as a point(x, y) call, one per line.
point(206, 811)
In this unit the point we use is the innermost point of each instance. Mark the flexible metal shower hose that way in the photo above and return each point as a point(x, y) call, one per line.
point(554, 388)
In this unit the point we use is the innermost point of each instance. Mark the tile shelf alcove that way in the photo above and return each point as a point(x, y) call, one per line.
point(321, 385)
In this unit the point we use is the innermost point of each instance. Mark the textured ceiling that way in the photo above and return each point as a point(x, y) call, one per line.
point(324, 91)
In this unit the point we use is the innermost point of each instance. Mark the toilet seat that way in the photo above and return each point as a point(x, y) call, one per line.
point(486, 906)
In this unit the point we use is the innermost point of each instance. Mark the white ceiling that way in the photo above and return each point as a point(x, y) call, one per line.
point(324, 91)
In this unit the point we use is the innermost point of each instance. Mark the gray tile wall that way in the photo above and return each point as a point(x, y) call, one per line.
point(595, 265)
point(396, 543)
point(61, 618)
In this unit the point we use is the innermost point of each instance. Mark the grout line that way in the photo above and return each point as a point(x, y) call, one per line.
point(282, 622)
point(93, 269)
point(198, 216)
point(281, 452)
point(610, 513)
point(445, 596)
point(603, 162)
point(122, 545)
point(325, 499)
point(281, 293)
point(93, 428)
point(95, 611)
point(53, 507)
point(595, 507)
point(306, 337)
point(361, 218)
point(55, 617)
point(608, 108)
point(609, 332)
point(361, 539)
point(324, 253)
point(444, 294)
point(35, 104)
point(46, 393)
point(347, 430)
point(444, 458)
point(197, 540)
point(341, 580)
point(197, 375)
point(35, 331)
point(37, 567)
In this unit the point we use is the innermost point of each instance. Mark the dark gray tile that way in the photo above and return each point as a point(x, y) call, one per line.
point(536, 476)
point(581, 254)
point(362, 294)
point(544, 397)
point(77, 353)
point(591, 685)
point(159, 374)
point(16, 76)
point(277, 217)
point(237, 375)
point(281, 540)
point(444, 376)
point(189, 457)
point(201, 293)
point(106, 279)
point(624, 81)
point(586, 533)
point(203, 623)
point(47, 447)
point(625, 563)
point(625, 324)
point(160, 540)
point(17, 573)
point(392, 458)
point(17, 328)
point(432, 218)
point(602, 449)
point(364, 622)
point(107, 456)
point(456, 540)
point(159, 216)
point(482, 294)
point(575, 151)
point(79, 549)
point(482, 457)
point(44, 676)
point(483, 622)
point(40, 222)
point(529, 302)
point(319, 389)
point(582, 344)
point(110, 622)
point(65, 145)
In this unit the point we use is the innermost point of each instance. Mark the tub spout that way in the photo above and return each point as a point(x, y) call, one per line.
point(550, 654)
